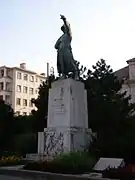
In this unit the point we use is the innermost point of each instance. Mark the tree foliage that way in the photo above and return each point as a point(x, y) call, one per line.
point(6, 125)
point(109, 111)
point(41, 103)
point(24, 124)
point(106, 104)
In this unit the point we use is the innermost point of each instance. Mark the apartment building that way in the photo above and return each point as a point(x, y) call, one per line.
point(18, 86)
point(128, 75)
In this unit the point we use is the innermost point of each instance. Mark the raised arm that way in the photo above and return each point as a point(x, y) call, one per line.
point(67, 26)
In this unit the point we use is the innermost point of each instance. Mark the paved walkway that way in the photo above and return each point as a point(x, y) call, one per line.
point(4, 177)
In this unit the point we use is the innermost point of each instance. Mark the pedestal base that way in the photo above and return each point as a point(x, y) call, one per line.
point(67, 123)
point(59, 140)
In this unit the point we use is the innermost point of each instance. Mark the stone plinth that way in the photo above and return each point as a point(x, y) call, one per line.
point(41, 142)
point(59, 140)
point(67, 124)
point(67, 104)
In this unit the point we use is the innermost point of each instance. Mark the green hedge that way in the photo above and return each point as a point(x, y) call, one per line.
point(72, 163)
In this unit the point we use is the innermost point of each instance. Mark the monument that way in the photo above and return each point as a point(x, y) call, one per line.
point(65, 59)
point(67, 124)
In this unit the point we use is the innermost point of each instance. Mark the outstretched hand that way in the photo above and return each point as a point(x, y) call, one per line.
point(62, 17)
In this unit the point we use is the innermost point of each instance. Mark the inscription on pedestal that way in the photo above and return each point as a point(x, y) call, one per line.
point(58, 106)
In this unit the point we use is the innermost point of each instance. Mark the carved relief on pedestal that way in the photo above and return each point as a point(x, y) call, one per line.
point(54, 142)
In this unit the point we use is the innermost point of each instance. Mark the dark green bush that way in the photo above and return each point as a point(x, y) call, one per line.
point(72, 163)
point(25, 143)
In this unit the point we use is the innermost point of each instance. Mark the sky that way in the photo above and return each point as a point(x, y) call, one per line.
point(100, 28)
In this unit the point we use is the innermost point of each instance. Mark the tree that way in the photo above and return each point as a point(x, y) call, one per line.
point(25, 136)
point(6, 125)
point(109, 110)
point(23, 124)
point(104, 97)
point(41, 103)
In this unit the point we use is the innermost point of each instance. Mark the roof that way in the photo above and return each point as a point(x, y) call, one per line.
point(104, 163)
point(131, 60)
point(122, 73)
point(24, 70)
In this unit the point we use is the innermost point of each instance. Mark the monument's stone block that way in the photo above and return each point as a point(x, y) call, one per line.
point(67, 104)
point(67, 125)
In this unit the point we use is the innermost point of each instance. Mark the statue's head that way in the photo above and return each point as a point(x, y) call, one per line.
point(63, 29)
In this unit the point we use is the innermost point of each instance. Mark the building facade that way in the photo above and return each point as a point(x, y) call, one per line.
point(128, 75)
point(18, 86)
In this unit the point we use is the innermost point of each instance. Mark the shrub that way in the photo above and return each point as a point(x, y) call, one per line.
point(10, 160)
point(25, 143)
point(71, 163)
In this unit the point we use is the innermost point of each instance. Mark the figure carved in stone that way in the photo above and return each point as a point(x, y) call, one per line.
point(53, 143)
point(65, 59)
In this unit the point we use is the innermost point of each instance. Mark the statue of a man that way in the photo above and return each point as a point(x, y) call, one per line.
point(65, 60)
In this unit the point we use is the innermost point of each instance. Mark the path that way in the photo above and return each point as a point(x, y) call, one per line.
point(4, 177)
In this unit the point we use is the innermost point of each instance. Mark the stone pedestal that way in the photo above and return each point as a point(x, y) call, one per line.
point(67, 104)
point(67, 125)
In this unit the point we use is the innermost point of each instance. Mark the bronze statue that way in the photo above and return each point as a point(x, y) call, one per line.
point(65, 60)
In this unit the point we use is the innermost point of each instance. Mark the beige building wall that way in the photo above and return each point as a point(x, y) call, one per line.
point(18, 86)
point(129, 79)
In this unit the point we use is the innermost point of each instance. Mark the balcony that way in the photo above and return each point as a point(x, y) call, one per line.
point(6, 73)
point(5, 88)
point(5, 79)
point(7, 99)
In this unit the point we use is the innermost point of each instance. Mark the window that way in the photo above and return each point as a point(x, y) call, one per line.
point(25, 89)
point(24, 113)
point(19, 75)
point(30, 103)
point(18, 88)
point(2, 72)
point(24, 102)
point(25, 77)
point(32, 78)
point(36, 79)
point(18, 101)
point(8, 87)
point(31, 90)
point(1, 86)
point(41, 80)
point(36, 91)
point(1, 97)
